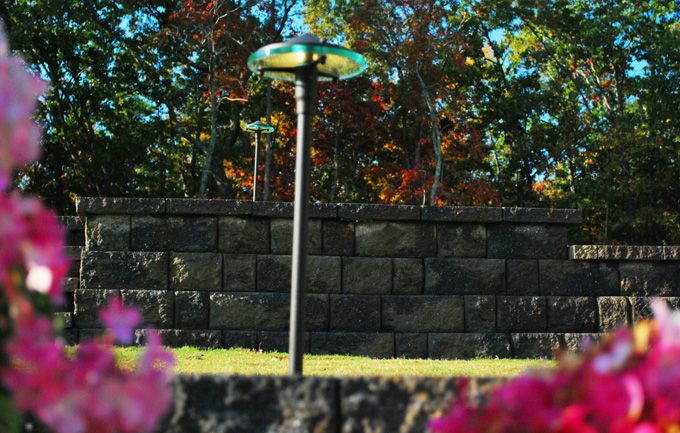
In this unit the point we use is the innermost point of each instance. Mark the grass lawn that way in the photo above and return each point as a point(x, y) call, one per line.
point(249, 362)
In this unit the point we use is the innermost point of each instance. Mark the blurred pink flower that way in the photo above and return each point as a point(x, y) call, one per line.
point(120, 320)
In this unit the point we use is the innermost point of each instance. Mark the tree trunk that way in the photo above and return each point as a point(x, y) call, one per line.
point(436, 138)
point(213, 129)
point(336, 168)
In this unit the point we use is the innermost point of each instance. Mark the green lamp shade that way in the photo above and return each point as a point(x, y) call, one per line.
point(279, 61)
point(259, 127)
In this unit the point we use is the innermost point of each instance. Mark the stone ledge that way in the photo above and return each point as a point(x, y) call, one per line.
point(370, 211)
point(542, 215)
point(624, 252)
point(191, 206)
point(119, 205)
point(461, 214)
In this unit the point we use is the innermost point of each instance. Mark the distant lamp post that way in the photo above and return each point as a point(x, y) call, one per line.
point(258, 128)
point(305, 60)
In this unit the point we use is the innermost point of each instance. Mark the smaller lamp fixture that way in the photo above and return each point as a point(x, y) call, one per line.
point(258, 128)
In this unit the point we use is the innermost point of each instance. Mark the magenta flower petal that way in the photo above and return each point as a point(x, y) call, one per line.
point(120, 320)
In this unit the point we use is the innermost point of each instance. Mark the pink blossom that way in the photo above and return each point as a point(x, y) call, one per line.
point(120, 320)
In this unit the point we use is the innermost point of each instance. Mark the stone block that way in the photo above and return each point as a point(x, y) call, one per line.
point(423, 313)
point(243, 235)
point(275, 341)
point(480, 313)
point(240, 272)
point(613, 312)
point(542, 215)
point(580, 342)
point(468, 346)
point(444, 276)
point(522, 277)
point(107, 232)
point(75, 237)
point(572, 314)
point(196, 271)
point(338, 238)
point(650, 279)
point(282, 236)
point(242, 339)
point(366, 275)
point(191, 206)
point(570, 278)
point(274, 209)
point(464, 214)
point(630, 252)
point(71, 223)
point(156, 306)
point(148, 233)
point(71, 284)
point(641, 308)
point(191, 310)
point(323, 210)
point(118, 205)
point(87, 304)
point(273, 273)
point(521, 314)
point(411, 345)
point(355, 313)
point(176, 233)
point(583, 252)
point(535, 345)
point(322, 274)
point(375, 345)
point(408, 276)
point(461, 240)
point(671, 252)
point(527, 241)
point(395, 239)
point(121, 270)
point(203, 339)
point(367, 211)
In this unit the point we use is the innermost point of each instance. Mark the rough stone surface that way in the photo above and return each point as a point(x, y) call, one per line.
point(650, 279)
point(239, 272)
point(273, 209)
point(445, 276)
point(527, 241)
point(394, 239)
point(366, 275)
point(117, 205)
point(191, 310)
point(469, 214)
point(156, 306)
point(461, 240)
point(641, 309)
point(148, 233)
point(278, 341)
point(467, 346)
point(521, 314)
point(366, 211)
point(87, 304)
point(273, 273)
point(375, 345)
point(411, 345)
point(338, 238)
point(174, 233)
point(183, 337)
point(355, 313)
point(542, 215)
point(423, 314)
point(322, 274)
point(569, 278)
point(244, 235)
point(71, 284)
point(237, 404)
point(613, 312)
point(536, 345)
point(243, 339)
point(190, 206)
point(583, 252)
point(107, 232)
point(671, 252)
point(121, 270)
point(630, 252)
point(71, 223)
point(522, 277)
point(282, 236)
point(480, 313)
point(323, 210)
point(572, 314)
point(408, 276)
point(580, 342)
point(196, 271)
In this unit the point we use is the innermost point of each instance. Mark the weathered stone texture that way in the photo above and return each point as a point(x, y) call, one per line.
point(411, 345)
point(322, 274)
point(87, 306)
point(408, 276)
point(583, 252)
point(641, 307)
point(240, 272)
point(338, 238)
point(196, 271)
point(423, 314)
point(650, 279)
point(160, 233)
point(671, 252)
point(393, 239)
point(156, 306)
point(107, 232)
point(521, 314)
point(367, 211)
point(121, 270)
point(278, 341)
point(190, 206)
point(445, 276)
point(375, 345)
point(244, 235)
point(527, 241)
point(191, 310)
point(522, 277)
point(542, 215)
point(469, 345)
point(630, 252)
point(282, 236)
point(273, 209)
point(480, 313)
point(463, 214)
point(366, 275)
point(119, 205)
point(580, 342)
point(613, 311)
point(572, 314)
point(461, 240)
point(569, 278)
point(535, 345)
point(355, 313)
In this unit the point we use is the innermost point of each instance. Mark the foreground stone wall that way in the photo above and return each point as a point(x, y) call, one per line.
point(384, 281)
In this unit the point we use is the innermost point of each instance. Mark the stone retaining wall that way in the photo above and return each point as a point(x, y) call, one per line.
point(384, 281)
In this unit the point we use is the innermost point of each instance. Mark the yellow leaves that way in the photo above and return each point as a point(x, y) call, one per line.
point(469, 61)
point(203, 136)
point(488, 53)
point(390, 147)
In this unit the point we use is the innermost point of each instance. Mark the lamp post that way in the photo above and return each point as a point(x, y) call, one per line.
point(258, 128)
point(304, 60)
